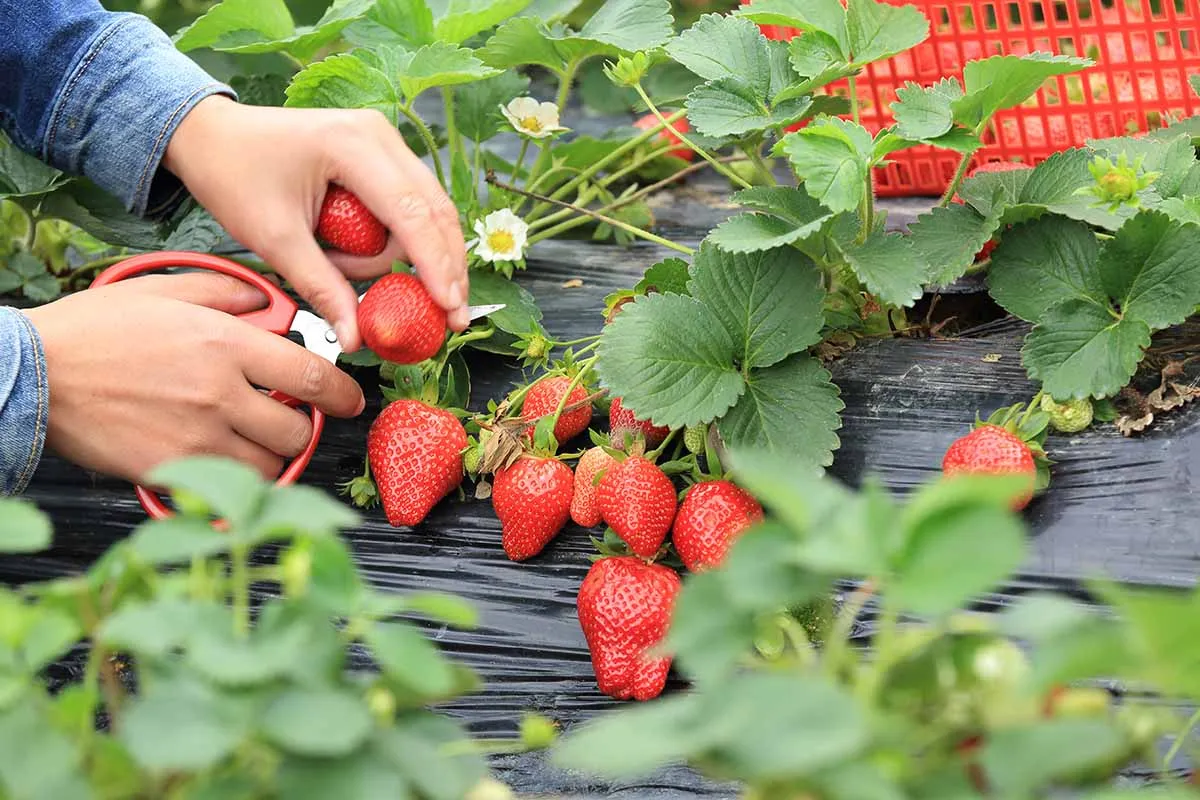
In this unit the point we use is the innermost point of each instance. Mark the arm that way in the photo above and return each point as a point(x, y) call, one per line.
point(24, 401)
point(99, 94)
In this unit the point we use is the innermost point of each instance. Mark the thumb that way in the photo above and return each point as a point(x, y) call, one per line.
point(317, 280)
point(212, 289)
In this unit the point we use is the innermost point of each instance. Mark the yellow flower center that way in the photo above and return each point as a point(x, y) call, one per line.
point(501, 241)
point(531, 124)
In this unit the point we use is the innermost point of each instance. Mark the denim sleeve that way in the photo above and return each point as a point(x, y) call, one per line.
point(24, 400)
point(97, 93)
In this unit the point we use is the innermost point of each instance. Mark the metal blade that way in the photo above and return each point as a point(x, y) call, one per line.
point(478, 312)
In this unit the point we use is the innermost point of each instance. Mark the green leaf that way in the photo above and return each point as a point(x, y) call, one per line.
point(521, 314)
point(392, 22)
point(770, 303)
point(926, 112)
point(1151, 267)
point(456, 21)
point(1023, 758)
point(344, 81)
point(1152, 619)
point(22, 175)
point(300, 509)
point(831, 156)
point(881, 30)
point(445, 608)
point(180, 724)
point(890, 267)
point(176, 540)
point(50, 635)
point(408, 657)
point(477, 104)
point(438, 64)
point(36, 760)
point(363, 775)
point(266, 26)
point(791, 407)
point(230, 660)
point(725, 48)
point(1001, 82)
point(42, 288)
point(230, 488)
point(316, 722)
point(811, 16)
point(268, 89)
point(198, 232)
point(1183, 209)
point(99, 213)
point(619, 27)
point(336, 583)
point(153, 628)
point(796, 216)
point(1043, 263)
point(709, 633)
point(669, 275)
point(960, 541)
point(26, 265)
point(670, 360)
point(418, 746)
point(947, 239)
point(818, 55)
point(10, 281)
point(1079, 349)
point(726, 108)
point(23, 527)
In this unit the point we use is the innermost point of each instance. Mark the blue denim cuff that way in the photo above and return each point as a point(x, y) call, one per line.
point(24, 400)
point(118, 107)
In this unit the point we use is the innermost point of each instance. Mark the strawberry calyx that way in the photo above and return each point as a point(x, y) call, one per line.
point(1030, 424)
point(361, 489)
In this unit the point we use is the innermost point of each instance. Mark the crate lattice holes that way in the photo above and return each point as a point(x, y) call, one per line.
point(1144, 50)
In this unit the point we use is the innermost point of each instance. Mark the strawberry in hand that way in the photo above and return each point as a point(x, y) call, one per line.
point(347, 224)
point(624, 607)
point(399, 321)
point(415, 453)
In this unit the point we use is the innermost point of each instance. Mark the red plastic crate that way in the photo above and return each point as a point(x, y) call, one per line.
point(1144, 52)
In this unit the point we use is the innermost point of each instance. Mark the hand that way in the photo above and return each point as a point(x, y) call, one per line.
point(263, 172)
point(155, 368)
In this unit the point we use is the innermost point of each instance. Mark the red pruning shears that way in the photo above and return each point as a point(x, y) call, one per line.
point(282, 316)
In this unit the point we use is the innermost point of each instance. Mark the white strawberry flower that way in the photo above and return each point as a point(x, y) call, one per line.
point(531, 118)
point(501, 235)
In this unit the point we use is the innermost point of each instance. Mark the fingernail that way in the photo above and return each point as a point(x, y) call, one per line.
point(455, 296)
point(362, 405)
point(344, 335)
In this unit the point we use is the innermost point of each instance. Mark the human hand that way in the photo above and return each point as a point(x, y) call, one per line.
point(157, 367)
point(263, 172)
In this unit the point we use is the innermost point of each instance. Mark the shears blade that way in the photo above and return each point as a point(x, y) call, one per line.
point(320, 338)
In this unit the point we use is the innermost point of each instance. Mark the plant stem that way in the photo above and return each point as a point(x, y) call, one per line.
point(477, 167)
point(454, 144)
point(616, 223)
point(516, 173)
point(564, 84)
point(1180, 738)
point(240, 590)
point(430, 144)
point(585, 368)
point(585, 339)
point(459, 339)
point(733, 176)
point(756, 157)
point(853, 86)
point(839, 636)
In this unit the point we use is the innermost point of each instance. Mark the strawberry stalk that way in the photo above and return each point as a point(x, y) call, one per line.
point(427, 137)
point(700, 151)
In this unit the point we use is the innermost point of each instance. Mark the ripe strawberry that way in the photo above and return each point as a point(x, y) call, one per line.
point(649, 121)
point(400, 321)
point(415, 451)
point(622, 423)
point(345, 223)
point(624, 608)
point(532, 500)
point(992, 449)
point(637, 500)
point(585, 510)
point(711, 516)
point(543, 398)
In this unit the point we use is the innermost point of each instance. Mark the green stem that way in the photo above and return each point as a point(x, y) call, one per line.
point(961, 172)
point(718, 166)
point(756, 157)
point(564, 84)
point(585, 339)
point(516, 173)
point(477, 167)
point(585, 367)
point(1193, 720)
point(459, 339)
point(454, 143)
point(430, 144)
point(839, 636)
point(240, 590)
point(853, 86)
point(1033, 403)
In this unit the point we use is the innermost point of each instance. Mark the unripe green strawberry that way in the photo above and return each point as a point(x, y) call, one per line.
point(693, 438)
point(1071, 416)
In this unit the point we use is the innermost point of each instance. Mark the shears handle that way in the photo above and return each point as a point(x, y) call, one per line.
point(277, 318)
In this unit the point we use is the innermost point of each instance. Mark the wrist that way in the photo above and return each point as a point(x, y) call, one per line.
point(195, 132)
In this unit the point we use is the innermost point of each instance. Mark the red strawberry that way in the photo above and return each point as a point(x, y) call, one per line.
point(584, 508)
point(622, 423)
point(650, 121)
point(346, 224)
point(711, 516)
point(415, 451)
point(637, 500)
point(624, 608)
point(532, 500)
point(542, 399)
point(992, 449)
point(400, 321)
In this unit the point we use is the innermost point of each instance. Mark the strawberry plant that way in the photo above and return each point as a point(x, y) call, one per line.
point(192, 690)
point(945, 703)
